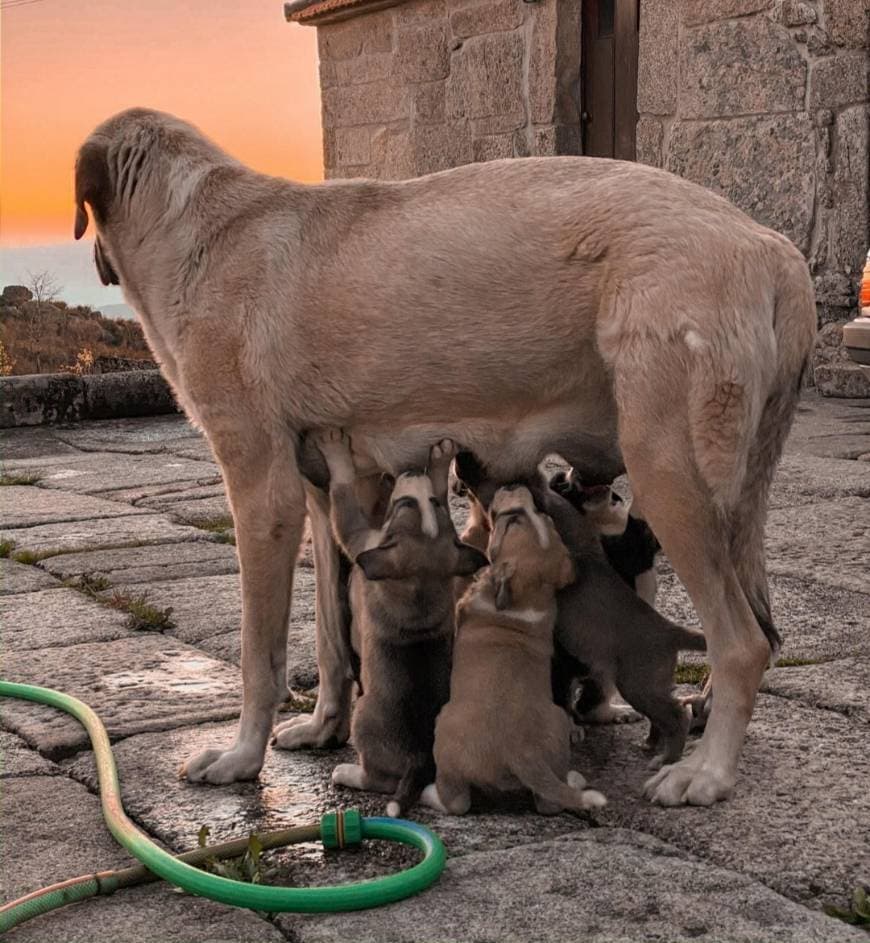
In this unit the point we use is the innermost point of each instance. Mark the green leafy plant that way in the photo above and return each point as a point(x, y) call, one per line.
point(248, 868)
point(91, 584)
point(6, 548)
point(858, 913)
point(797, 662)
point(691, 674)
point(221, 525)
point(32, 557)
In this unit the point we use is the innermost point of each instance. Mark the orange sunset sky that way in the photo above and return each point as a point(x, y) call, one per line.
point(235, 68)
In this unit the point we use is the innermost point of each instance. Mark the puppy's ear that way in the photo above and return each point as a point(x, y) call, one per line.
point(501, 579)
point(468, 560)
point(380, 563)
point(93, 186)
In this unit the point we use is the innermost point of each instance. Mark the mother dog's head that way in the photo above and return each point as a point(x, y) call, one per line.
point(136, 171)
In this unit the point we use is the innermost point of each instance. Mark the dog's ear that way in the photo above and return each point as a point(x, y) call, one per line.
point(501, 581)
point(93, 186)
point(468, 560)
point(380, 563)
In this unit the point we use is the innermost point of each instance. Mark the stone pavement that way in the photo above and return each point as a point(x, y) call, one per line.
point(106, 526)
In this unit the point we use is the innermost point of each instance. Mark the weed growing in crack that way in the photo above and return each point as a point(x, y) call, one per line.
point(23, 478)
point(143, 616)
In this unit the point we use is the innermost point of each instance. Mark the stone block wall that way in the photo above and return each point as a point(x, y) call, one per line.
point(431, 84)
point(766, 101)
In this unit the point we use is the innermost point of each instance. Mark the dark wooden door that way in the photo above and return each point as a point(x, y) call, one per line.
point(609, 77)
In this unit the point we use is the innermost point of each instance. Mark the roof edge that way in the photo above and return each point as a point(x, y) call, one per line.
point(319, 12)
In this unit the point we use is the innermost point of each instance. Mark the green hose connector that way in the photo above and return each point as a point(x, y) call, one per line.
point(336, 830)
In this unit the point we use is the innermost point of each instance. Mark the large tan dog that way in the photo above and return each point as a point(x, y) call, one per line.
point(607, 311)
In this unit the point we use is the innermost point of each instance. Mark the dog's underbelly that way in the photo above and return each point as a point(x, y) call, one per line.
point(510, 448)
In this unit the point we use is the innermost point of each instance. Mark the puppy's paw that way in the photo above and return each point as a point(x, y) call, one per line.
point(575, 780)
point(593, 799)
point(334, 445)
point(443, 452)
point(220, 767)
point(394, 810)
point(351, 775)
point(578, 734)
point(607, 713)
point(698, 707)
point(429, 797)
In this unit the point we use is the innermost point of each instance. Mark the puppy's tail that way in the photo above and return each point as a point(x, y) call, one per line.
point(544, 784)
point(419, 772)
point(684, 638)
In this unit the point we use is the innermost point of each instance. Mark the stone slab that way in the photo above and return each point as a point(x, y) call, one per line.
point(830, 543)
point(151, 564)
point(800, 814)
point(18, 759)
point(27, 506)
point(52, 830)
point(200, 512)
point(34, 443)
point(132, 529)
point(294, 787)
point(104, 472)
point(842, 685)
point(142, 683)
point(822, 426)
point(216, 627)
point(18, 578)
point(804, 479)
point(54, 618)
point(163, 499)
point(134, 435)
point(814, 619)
point(602, 885)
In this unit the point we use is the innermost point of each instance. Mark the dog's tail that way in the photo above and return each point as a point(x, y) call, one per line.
point(740, 423)
point(543, 783)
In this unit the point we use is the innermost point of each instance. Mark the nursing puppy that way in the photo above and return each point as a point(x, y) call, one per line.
point(629, 544)
point(402, 606)
point(501, 731)
point(615, 638)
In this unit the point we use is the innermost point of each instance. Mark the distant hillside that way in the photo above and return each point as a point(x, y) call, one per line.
point(117, 311)
point(53, 336)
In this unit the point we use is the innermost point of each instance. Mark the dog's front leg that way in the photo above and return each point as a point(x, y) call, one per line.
point(330, 722)
point(268, 503)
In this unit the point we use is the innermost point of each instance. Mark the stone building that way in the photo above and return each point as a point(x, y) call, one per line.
point(764, 101)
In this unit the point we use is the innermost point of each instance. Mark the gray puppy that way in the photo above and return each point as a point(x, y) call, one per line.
point(616, 635)
point(402, 601)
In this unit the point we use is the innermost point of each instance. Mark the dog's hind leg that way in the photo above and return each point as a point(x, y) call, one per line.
point(682, 508)
point(330, 722)
point(268, 503)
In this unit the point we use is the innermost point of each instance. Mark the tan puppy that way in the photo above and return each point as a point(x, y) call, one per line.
point(498, 734)
point(606, 311)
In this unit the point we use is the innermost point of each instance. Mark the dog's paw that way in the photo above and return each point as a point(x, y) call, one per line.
point(689, 782)
point(220, 767)
point(593, 799)
point(307, 730)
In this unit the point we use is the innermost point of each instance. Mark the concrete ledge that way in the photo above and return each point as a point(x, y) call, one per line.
point(38, 399)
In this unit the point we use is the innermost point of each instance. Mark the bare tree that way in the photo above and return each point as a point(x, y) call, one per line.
point(45, 289)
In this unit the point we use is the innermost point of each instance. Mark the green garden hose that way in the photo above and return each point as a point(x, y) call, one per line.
point(335, 831)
